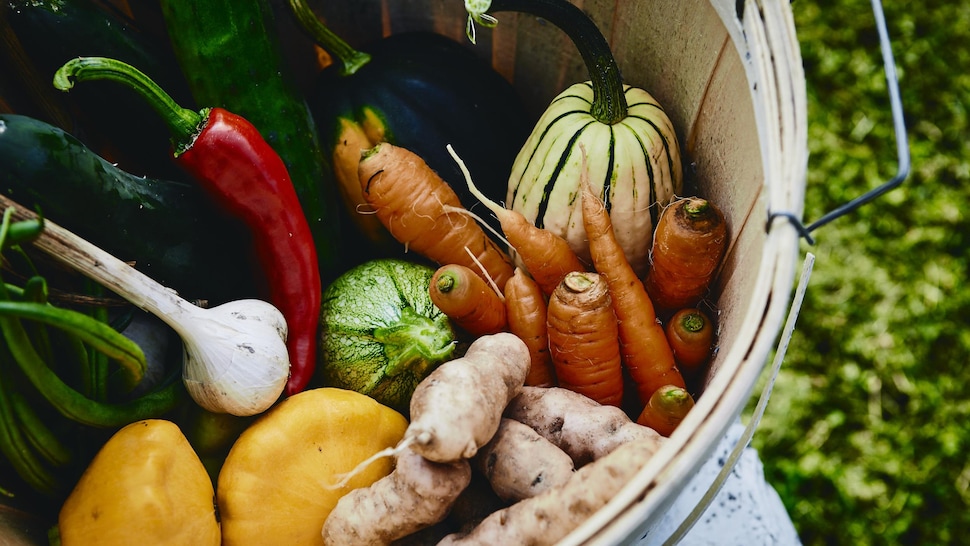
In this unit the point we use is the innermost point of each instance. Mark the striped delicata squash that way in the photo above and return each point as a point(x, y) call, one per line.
point(632, 149)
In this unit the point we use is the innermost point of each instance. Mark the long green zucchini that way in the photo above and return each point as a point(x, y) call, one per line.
point(170, 230)
point(230, 52)
point(47, 33)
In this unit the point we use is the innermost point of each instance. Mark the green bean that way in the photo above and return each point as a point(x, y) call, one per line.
point(17, 451)
point(47, 444)
point(75, 405)
point(20, 232)
point(93, 332)
point(35, 290)
point(99, 360)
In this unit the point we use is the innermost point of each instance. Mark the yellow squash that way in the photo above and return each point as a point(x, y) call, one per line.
point(145, 486)
point(277, 485)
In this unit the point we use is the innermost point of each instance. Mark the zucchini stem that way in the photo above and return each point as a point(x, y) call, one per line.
point(414, 344)
point(609, 100)
point(350, 59)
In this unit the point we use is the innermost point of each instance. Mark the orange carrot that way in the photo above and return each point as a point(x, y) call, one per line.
point(424, 213)
point(545, 255)
point(689, 243)
point(467, 300)
point(525, 307)
point(666, 408)
point(583, 338)
point(646, 353)
point(691, 337)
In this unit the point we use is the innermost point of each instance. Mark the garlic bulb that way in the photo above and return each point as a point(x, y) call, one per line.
point(235, 354)
point(222, 370)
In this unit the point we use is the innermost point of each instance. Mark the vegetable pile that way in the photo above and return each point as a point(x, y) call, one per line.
point(428, 373)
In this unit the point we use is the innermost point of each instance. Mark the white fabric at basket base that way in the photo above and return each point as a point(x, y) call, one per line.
point(746, 511)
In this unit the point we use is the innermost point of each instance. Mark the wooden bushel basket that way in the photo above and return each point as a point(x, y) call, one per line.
point(730, 77)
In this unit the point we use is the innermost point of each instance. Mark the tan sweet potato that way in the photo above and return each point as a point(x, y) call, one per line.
point(520, 463)
point(551, 515)
point(474, 504)
point(417, 494)
point(583, 428)
point(458, 407)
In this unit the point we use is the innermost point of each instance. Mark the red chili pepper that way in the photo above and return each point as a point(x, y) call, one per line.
point(250, 180)
point(229, 157)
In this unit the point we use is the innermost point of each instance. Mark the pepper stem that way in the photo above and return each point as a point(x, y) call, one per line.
point(183, 124)
point(609, 101)
point(351, 59)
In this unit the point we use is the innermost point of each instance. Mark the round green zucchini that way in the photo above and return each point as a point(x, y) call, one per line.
point(381, 334)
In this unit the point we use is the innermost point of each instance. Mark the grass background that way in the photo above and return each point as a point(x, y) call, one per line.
point(868, 427)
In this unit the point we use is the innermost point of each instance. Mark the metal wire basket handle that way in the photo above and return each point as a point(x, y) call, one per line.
point(899, 127)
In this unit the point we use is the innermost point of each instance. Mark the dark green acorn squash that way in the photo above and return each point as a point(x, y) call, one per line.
point(421, 91)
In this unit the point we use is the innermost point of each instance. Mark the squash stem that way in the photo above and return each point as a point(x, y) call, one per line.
point(183, 124)
point(609, 101)
point(350, 59)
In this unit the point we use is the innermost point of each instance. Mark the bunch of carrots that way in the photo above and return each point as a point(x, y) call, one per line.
point(596, 328)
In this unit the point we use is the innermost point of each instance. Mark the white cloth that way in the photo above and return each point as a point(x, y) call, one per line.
point(747, 511)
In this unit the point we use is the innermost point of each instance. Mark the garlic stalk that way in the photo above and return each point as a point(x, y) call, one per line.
point(235, 357)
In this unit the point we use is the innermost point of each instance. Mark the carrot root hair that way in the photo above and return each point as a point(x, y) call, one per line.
point(545, 255)
point(418, 208)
